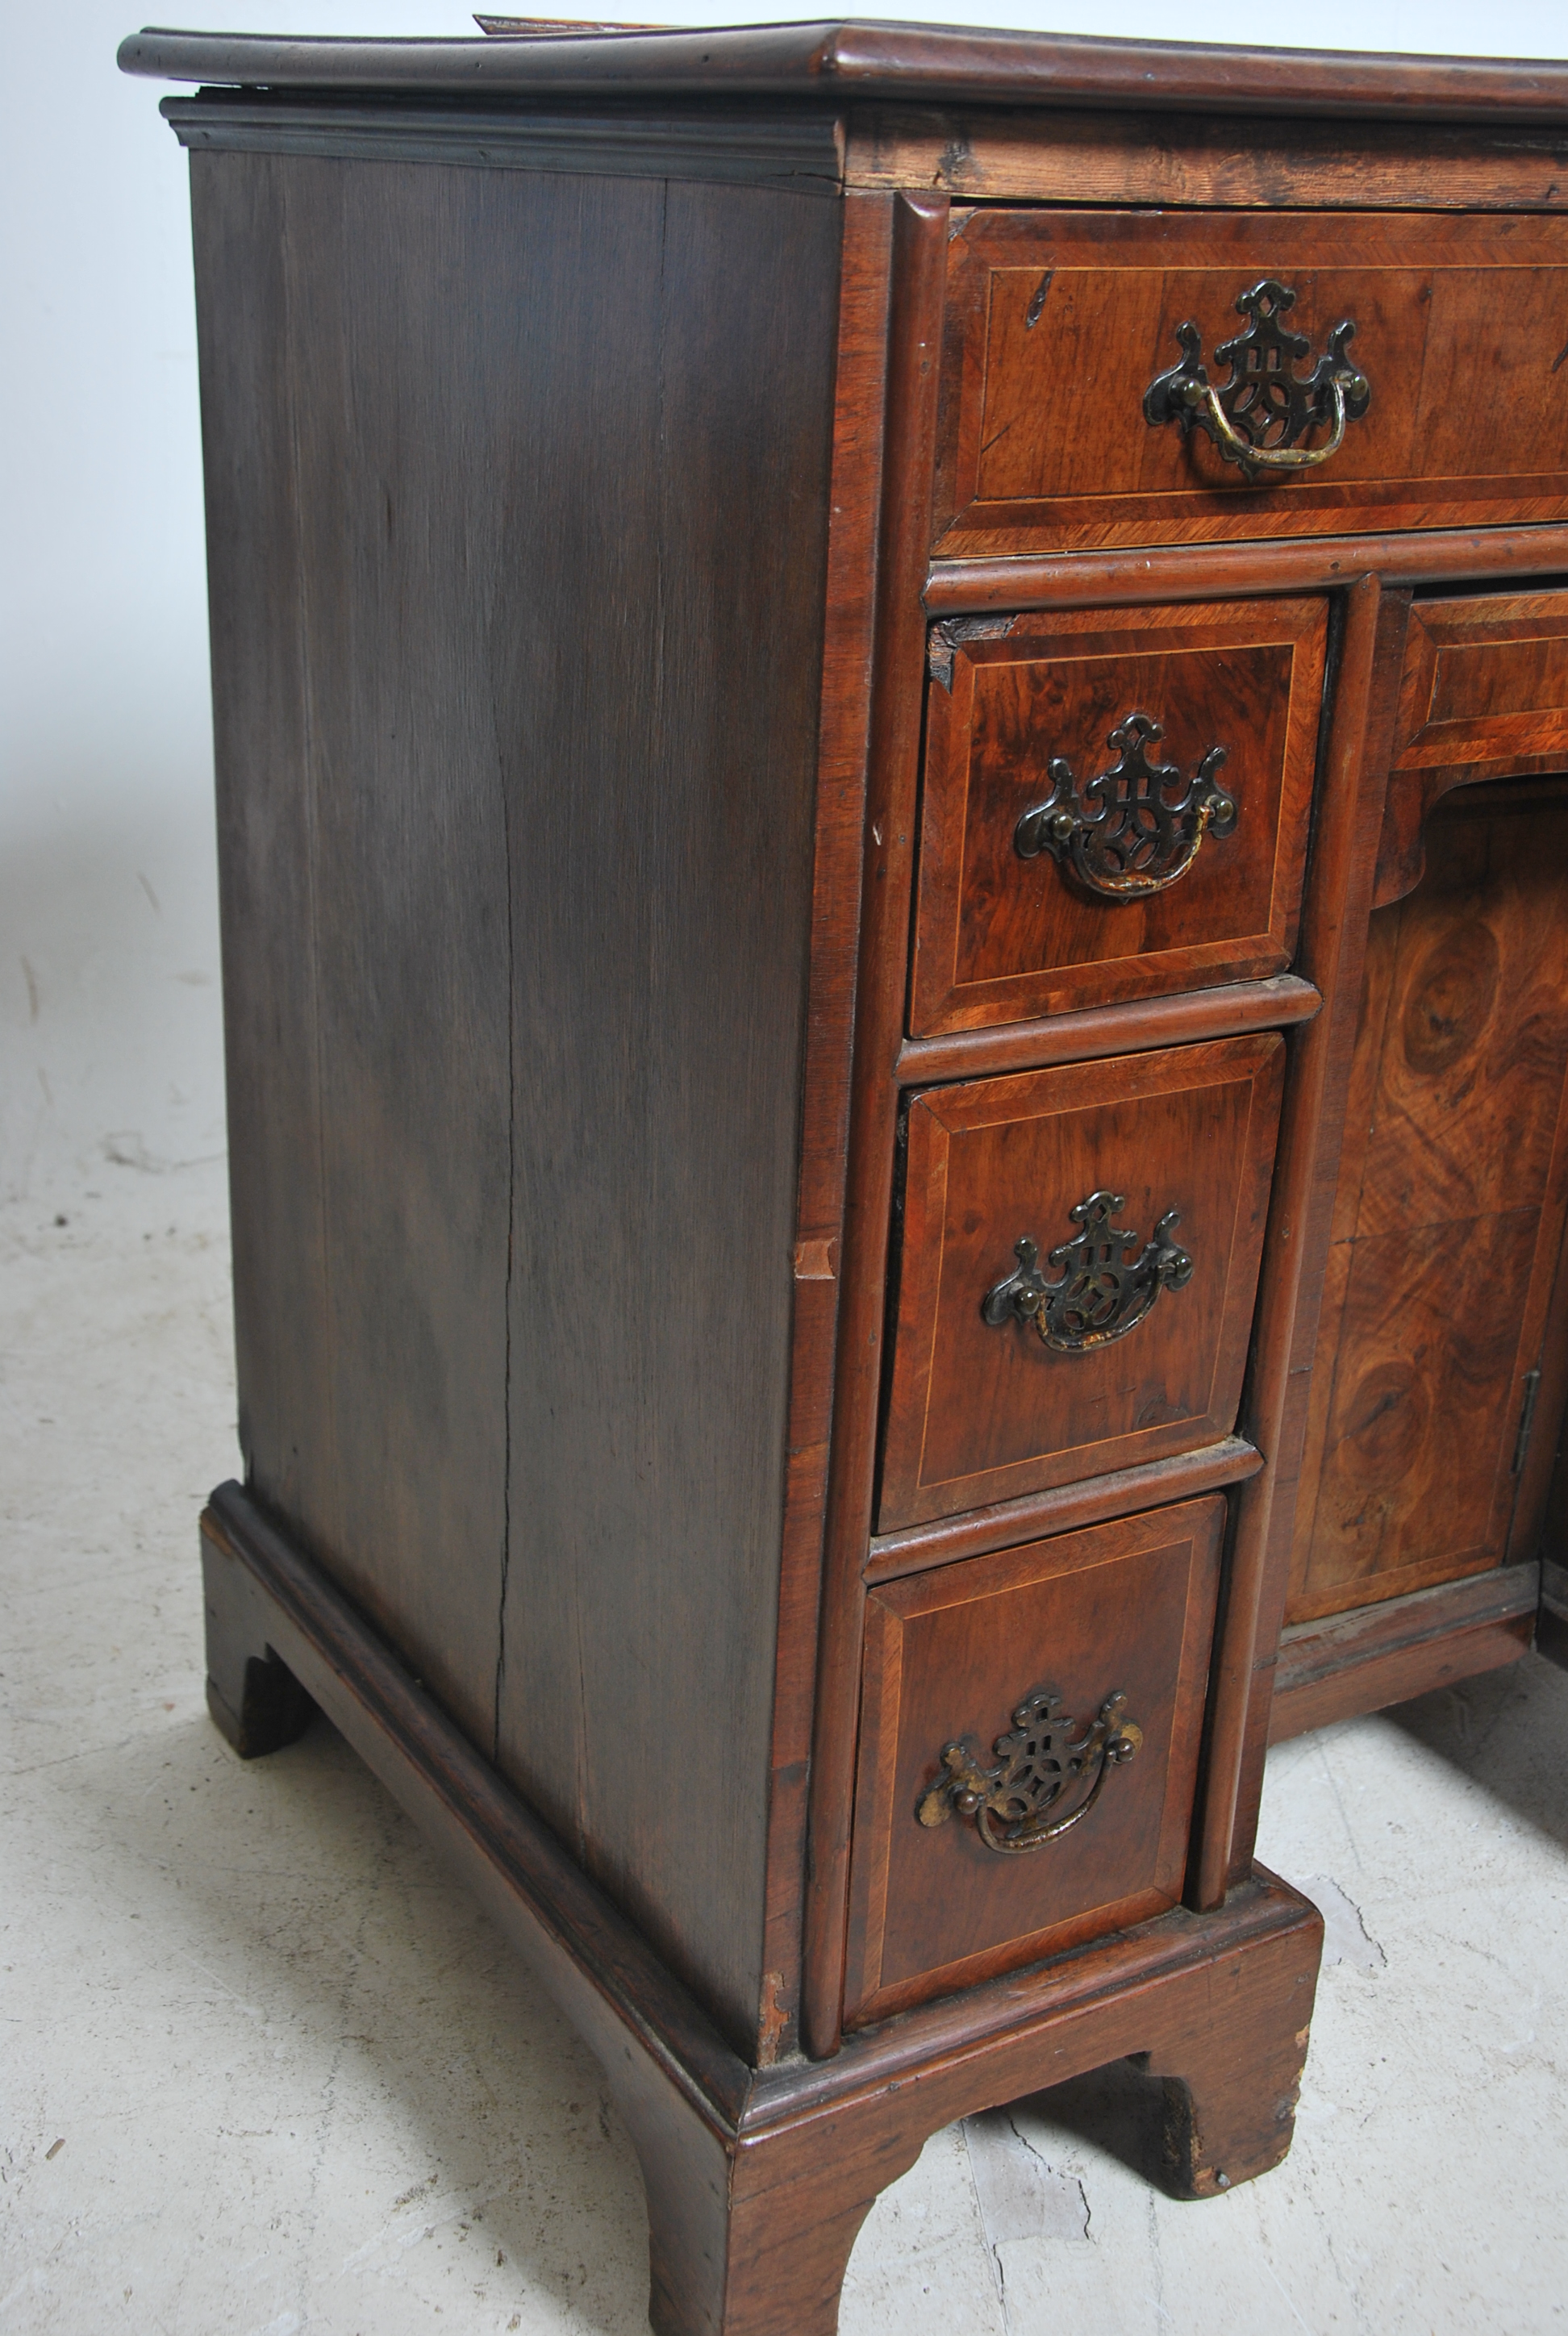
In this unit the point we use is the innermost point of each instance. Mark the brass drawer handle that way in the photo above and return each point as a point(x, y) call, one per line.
point(1257, 417)
point(1120, 837)
point(1105, 1291)
point(1041, 1785)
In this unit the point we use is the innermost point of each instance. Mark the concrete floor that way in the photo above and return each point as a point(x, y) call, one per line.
point(265, 2072)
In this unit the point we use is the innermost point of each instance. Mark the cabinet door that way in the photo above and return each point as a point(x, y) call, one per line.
point(1448, 1219)
point(1104, 1169)
point(1072, 1673)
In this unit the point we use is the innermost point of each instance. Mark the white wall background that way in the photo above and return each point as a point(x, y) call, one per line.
point(110, 1046)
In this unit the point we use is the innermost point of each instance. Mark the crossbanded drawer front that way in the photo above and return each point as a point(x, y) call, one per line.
point(1030, 1734)
point(1485, 689)
point(1484, 695)
point(1081, 347)
point(1070, 853)
point(1141, 1186)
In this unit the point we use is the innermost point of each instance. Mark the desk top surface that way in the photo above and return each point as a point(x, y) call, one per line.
point(842, 60)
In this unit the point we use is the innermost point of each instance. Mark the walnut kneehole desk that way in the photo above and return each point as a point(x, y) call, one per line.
point(890, 729)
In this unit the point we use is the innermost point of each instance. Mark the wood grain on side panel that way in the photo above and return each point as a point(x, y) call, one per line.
point(518, 891)
point(657, 671)
point(355, 563)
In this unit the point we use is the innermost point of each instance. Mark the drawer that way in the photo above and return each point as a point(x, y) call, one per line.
point(1142, 1184)
point(1069, 1676)
point(1484, 695)
point(1159, 716)
point(1060, 322)
point(1485, 685)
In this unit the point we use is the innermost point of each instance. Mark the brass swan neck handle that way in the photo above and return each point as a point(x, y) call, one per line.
point(1107, 1285)
point(1043, 1782)
point(1258, 417)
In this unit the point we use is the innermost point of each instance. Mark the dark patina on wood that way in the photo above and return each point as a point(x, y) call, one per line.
point(758, 2181)
point(787, 846)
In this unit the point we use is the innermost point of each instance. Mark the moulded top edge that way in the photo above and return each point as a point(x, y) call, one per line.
point(924, 63)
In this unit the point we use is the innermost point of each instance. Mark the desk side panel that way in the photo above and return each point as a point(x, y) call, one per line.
point(660, 701)
point(518, 503)
point(354, 557)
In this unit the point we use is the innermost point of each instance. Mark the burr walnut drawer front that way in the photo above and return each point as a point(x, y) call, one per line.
point(1116, 805)
point(1080, 1249)
point(1029, 1731)
point(1165, 377)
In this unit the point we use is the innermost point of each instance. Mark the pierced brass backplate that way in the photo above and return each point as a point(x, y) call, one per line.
point(1257, 418)
point(1042, 1784)
point(1138, 827)
point(1107, 1286)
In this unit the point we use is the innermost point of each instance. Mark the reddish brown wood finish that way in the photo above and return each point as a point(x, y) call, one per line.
point(845, 58)
point(760, 2167)
point(978, 1413)
point(1485, 696)
point(1407, 1646)
point(859, 409)
point(1333, 938)
point(458, 1010)
point(1098, 1031)
point(1124, 1608)
point(1449, 1213)
point(757, 2182)
point(1226, 2032)
point(1485, 683)
point(895, 683)
point(1044, 445)
point(1206, 162)
point(1004, 1525)
point(1200, 571)
point(997, 937)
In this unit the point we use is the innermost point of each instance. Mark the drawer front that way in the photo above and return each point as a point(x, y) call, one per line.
point(1130, 1356)
point(1484, 695)
point(1031, 1647)
point(1060, 322)
point(1485, 685)
point(1160, 714)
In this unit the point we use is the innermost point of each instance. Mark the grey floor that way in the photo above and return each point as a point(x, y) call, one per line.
point(265, 2071)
